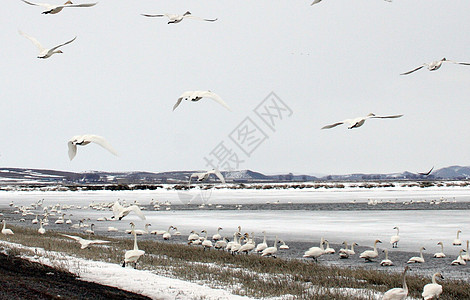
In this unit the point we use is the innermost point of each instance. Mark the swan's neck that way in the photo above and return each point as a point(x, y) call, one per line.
point(386, 254)
point(352, 246)
point(434, 279)
point(275, 242)
point(321, 244)
point(421, 252)
point(398, 231)
point(405, 287)
point(4, 225)
point(327, 244)
point(467, 245)
point(442, 248)
point(458, 232)
point(375, 246)
point(135, 240)
point(264, 240)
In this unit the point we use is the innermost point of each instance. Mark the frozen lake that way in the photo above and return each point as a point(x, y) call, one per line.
point(293, 215)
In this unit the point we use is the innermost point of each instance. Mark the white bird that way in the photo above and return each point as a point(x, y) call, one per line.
point(35, 220)
point(41, 229)
point(60, 220)
point(329, 250)
point(457, 241)
point(250, 245)
point(315, 252)
point(193, 236)
point(386, 262)
point(261, 246)
point(112, 229)
point(435, 65)
point(205, 175)
point(221, 244)
point(398, 293)
point(270, 251)
point(85, 139)
point(396, 238)
point(206, 244)
point(343, 252)
point(440, 254)
point(6, 231)
point(368, 255)
point(433, 290)
point(120, 212)
point(198, 95)
point(140, 231)
point(217, 236)
point(318, 1)
point(83, 242)
point(417, 259)
point(167, 235)
point(359, 121)
point(466, 257)
point(175, 18)
point(91, 230)
point(459, 260)
point(131, 256)
point(54, 9)
point(43, 52)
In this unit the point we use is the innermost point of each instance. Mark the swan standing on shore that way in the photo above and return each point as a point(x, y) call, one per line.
point(83, 242)
point(440, 254)
point(43, 52)
point(435, 65)
point(396, 238)
point(457, 241)
point(41, 229)
point(329, 250)
point(85, 139)
point(368, 255)
point(433, 290)
point(466, 257)
point(175, 18)
point(386, 262)
point(198, 95)
point(417, 259)
point(359, 121)
point(120, 212)
point(261, 246)
point(271, 251)
point(217, 236)
point(315, 252)
point(54, 9)
point(398, 293)
point(5, 230)
point(206, 244)
point(131, 256)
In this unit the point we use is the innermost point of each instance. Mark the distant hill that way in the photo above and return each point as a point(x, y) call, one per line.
point(40, 176)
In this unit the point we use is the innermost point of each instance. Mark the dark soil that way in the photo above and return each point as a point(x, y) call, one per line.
point(22, 279)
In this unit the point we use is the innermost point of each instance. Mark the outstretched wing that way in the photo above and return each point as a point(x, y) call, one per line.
point(117, 208)
point(459, 63)
point(152, 16)
point(78, 5)
point(386, 117)
point(427, 173)
point(177, 103)
point(215, 97)
point(72, 150)
point(199, 18)
point(99, 242)
point(219, 175)
point(315, 2)
point(102, 142)
point(35, 42)
point(56, 47)
point(332, 125)
point(36, 4)
point(73, 237)
point(414, 70)
point(137, 211)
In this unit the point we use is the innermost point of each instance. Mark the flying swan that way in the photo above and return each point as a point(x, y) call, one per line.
point(83, 242)
point(85, 139)
point(174, 18)
point(205, 175)
point(54, 9)
point(43, 52)
point(359, 121)
point(198, 95)
point(120, 212)
point(435, 65)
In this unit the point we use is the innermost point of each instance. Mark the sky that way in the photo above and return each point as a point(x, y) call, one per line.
point(324, 63)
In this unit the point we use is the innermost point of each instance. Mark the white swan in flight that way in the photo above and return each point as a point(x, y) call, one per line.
point(83, 242)
point(398, 293)
point(435, 65)
point(120, 211)
point(198, 95)
point(43, 52)
point(174, 18)
point(54, 9)
point(433, 290)
point(205, 175)
point(359, 121)
point(85, 139)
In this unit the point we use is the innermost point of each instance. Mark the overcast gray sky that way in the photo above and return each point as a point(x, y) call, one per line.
point(337, 59)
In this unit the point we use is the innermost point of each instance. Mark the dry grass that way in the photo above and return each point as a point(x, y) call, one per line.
point(249, 275)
